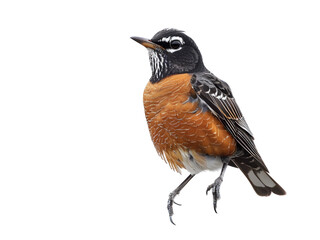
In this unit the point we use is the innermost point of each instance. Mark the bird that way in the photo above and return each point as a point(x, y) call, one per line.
point(194, 120)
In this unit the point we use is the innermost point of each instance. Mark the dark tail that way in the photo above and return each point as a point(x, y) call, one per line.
point(260, 180)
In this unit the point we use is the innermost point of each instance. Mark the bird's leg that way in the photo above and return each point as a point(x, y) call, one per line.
point(174, 193)
point(215, 187)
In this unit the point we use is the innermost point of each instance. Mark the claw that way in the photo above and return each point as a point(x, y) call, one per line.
point(208, 189)
point(215, 205)
point(215, 187)
point(169, 205)
point(171, 220)
point(171, 209)
point(173, 194)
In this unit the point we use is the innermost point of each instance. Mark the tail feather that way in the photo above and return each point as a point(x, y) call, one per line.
point(260, 180)
point(269, 182)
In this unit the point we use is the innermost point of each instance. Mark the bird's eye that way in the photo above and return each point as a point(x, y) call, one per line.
point(175, 44)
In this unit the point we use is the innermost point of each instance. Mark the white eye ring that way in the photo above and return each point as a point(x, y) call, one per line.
point(175, 39)
point(171, 50)
point(170, 40)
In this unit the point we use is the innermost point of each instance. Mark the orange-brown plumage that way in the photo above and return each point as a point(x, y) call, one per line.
point(177, 124)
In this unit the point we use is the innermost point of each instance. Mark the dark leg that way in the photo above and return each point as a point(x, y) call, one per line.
point(175, 192)
point(215, 187)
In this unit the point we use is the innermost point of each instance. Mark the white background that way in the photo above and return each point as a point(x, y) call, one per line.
point(76, 159)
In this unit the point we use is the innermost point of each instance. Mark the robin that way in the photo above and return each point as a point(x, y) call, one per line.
point(194, 120)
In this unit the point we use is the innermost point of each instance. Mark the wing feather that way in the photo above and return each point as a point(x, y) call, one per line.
point(218, 96)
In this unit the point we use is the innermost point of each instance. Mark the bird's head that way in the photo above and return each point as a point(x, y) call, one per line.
point(172, 52)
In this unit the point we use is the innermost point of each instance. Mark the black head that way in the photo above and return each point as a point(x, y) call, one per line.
point(172, 52)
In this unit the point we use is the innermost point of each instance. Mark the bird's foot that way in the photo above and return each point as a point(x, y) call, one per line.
point(215, 188)
point(170, 203)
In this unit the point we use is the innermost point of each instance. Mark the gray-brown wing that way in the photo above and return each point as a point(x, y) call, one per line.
point(217, 95)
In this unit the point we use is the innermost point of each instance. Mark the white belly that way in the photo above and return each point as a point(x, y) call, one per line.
point(195, 163)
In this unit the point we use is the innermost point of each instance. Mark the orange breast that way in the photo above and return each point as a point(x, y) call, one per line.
point(177, 124)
